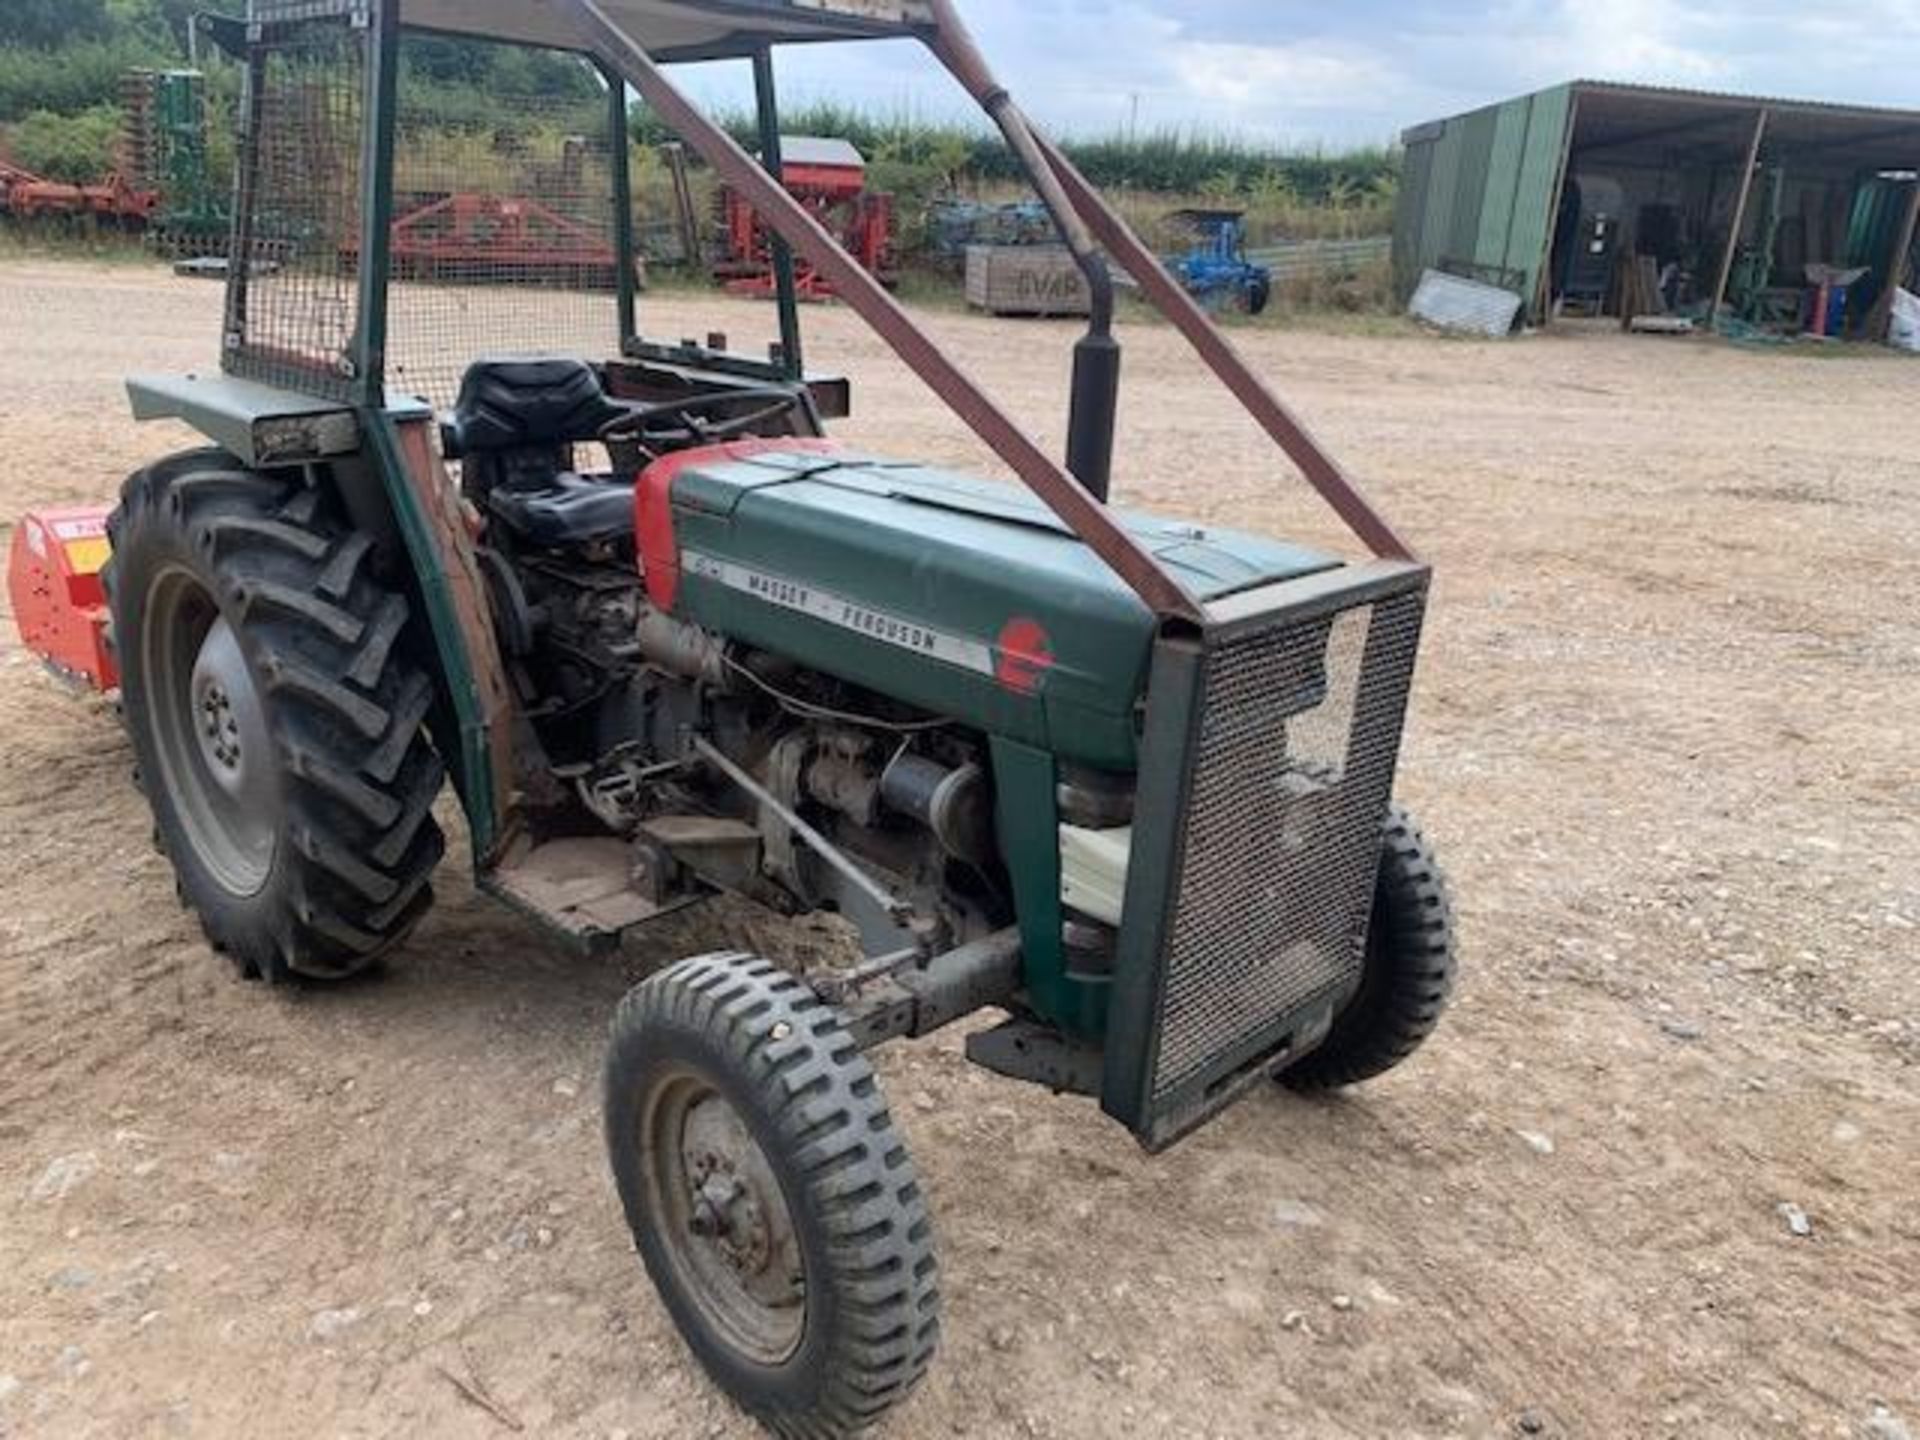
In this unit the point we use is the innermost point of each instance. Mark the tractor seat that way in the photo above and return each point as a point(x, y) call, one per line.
point(514, 427)
point(519, 403)
point(572, 510)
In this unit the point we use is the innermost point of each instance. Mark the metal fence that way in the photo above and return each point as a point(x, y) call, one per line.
point(1310, 259)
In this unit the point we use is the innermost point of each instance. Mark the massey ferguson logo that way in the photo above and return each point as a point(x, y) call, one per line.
point(1026, 655)
point(896, 630)
point(888, 628)
point(781, 592)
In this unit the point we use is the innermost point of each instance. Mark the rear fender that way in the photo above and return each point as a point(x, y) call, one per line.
point(383, 467)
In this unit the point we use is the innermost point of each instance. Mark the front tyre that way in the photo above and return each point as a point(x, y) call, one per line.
point(777, 1211)
point(274, 718)
point(1408, 972)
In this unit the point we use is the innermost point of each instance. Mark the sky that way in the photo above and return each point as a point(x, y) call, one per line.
point(1339, 72)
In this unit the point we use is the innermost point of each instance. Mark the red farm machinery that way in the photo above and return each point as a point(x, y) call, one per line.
point(158, 179)
point(535, 229)
point(473, 237)
point(27, 196)
point(829, 178)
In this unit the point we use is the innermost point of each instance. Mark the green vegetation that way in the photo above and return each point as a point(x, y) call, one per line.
point(76, 148)
point(61, 66)
point(1288, 195)
point(61, 63)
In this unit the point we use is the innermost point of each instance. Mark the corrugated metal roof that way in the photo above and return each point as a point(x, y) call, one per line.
point(1465, 305)
point(1775, 102)
point(1626, 89)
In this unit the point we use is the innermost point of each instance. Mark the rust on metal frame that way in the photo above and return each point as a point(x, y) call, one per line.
point(1269, 411)
point(955, 48)
point(1064, 495)
point(440, 503)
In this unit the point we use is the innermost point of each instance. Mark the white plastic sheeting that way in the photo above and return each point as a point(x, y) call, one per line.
point(1905, 334)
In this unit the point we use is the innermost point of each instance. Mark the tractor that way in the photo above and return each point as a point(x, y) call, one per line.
point(1215, 269)
point(1123, 782)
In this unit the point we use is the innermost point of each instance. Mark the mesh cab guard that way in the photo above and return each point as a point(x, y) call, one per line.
point(1266, 769)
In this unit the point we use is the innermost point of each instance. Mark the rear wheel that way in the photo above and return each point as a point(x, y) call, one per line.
point(776, 1210)
point(275, 723)
point(1408, 974)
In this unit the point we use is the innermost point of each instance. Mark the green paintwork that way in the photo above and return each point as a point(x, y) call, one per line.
point(1482, 188)
point(860, 538)
point(260, 425)
point(179, 155)
point(369, 345)
point(1027, 815)
point(475, 760)
point(1160, 804)
point(619, 148)
point(961, 555)
point(785, 294)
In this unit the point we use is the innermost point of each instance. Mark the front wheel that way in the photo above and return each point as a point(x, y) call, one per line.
point(775, 1208)
point(1408, 973)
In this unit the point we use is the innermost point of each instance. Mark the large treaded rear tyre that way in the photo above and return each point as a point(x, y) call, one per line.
point(776, 1210)
point(275, 722)
point(1408, 974)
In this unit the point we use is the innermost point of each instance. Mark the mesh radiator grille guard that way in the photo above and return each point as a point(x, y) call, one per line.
point(1266, 771)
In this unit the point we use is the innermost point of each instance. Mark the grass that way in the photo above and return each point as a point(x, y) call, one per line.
point(72, 240)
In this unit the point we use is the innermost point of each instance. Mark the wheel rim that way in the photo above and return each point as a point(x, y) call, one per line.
point(723, 1218)
point(210, 732)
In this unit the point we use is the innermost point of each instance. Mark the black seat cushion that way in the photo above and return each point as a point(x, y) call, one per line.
point(514, 403)
point(570, 510)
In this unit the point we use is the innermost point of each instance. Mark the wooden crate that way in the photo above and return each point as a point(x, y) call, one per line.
point(1025, 280)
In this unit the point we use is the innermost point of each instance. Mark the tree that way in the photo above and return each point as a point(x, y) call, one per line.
point(43, 24)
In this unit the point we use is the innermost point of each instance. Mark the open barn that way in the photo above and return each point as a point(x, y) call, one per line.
point(1593, 198)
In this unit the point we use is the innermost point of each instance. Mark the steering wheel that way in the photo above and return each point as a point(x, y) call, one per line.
point(703, 419)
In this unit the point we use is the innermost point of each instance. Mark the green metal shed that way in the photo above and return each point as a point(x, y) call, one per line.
point(1481, 193)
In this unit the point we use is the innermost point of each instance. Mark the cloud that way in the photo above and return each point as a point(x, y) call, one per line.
point(1651, 38)
point(1261, 77)
point(1359, 71)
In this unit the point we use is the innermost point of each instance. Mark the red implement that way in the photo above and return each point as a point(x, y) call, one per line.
point(28, 197)
point(53, 581)
point(829, 177)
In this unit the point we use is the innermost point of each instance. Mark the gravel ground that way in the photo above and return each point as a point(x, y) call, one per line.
point(1664, 734)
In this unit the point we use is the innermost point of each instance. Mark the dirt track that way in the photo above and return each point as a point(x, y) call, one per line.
point(1665, 735)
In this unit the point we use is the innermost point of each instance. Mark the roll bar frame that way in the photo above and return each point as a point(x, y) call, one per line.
point(1086, 221)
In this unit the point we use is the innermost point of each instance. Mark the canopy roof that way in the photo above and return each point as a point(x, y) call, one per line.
point(679, 29)
point(1620, 118)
